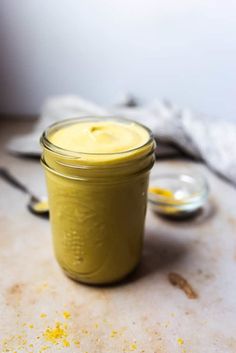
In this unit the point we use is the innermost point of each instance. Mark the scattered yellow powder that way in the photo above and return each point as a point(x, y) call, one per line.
point(31, 326)
point(66, 343)
point(77, 343)
point(133, 346)
point(42, 287)
point(84, 331)
point(54, 334)
point(114, 333)
point(180, 341)
point(31, 345)
point(96, 325)
point(43, 315)
point(66, 315)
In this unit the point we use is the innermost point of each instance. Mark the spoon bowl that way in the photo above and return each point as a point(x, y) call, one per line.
point(36, 205)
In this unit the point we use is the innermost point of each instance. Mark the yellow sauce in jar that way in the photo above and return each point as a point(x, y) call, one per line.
point(97, 173)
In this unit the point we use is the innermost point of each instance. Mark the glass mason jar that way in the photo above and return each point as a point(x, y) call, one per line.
point(97, 205)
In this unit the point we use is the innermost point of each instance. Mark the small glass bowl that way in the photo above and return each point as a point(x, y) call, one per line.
point(177, 195)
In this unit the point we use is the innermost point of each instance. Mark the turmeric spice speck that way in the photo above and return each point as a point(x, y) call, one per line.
point(77, 343)
point(66, 343)
point(66, 315)
point(180, 341)
point(133, 347)
point(114, 333)
point(43, 315)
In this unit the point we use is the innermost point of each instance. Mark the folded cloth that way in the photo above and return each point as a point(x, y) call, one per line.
point(176, 129)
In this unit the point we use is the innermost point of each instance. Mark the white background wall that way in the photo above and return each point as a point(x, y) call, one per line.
point(183, 50)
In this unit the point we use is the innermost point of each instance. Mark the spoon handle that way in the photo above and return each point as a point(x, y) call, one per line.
point(4, 174)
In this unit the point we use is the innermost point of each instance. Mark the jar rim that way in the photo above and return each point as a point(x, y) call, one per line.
point(45, 142)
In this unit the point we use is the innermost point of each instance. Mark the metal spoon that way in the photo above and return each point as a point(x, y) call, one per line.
point(38, 206)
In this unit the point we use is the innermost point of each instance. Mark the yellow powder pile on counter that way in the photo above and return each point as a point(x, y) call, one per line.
point(56, 334)
point(61, 335)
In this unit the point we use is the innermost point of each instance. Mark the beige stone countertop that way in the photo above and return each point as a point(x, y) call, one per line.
point(41, 310)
